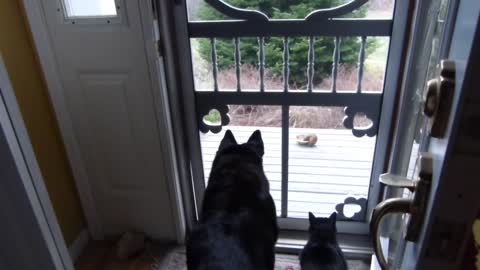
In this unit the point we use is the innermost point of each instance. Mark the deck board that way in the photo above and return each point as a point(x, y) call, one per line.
point(320, 177)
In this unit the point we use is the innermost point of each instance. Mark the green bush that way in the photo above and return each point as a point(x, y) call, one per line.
point(284, 9)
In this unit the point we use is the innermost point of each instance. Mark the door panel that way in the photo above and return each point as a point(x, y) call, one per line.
point(451, 205)
point(448, 191)
point(105, 73)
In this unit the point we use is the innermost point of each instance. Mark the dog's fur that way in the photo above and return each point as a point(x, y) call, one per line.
point(237, 228)
point(322, 251)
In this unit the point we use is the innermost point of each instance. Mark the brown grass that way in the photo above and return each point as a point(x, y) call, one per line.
point(347, 78)
point(250, 80)
point(300, 116)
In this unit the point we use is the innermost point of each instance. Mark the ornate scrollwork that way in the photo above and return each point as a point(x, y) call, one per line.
point(358, 216)
point(238, 13)
point(322, 14)
point(204, 126)
point(255, 15)
point(371, 112)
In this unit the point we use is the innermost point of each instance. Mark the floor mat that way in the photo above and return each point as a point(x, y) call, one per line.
point(176, 260)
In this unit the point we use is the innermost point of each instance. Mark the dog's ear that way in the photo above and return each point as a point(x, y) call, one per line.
point(311, 217)
point(228, 140)
point(256, 141)
point(333, 217)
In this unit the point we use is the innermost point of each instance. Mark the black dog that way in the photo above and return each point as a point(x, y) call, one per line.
point(322, 251)
point(238, 226)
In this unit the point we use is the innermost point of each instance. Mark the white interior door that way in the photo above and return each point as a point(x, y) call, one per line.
point(101, 56)
point(454, 150)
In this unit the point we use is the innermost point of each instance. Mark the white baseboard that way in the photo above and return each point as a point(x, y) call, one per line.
point(77, 247)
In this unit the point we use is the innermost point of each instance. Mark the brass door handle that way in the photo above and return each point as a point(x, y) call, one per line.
point(415, 206)
point(390, 206)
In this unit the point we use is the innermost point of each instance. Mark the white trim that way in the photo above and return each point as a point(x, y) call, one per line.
point(44, 48)
point(79, 245)
point(157, 76)
point(17, 137)
point(172, 166)
point(162, 109)
point(347, 227)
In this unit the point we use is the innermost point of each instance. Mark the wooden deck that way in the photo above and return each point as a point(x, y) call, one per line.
point(320, 177)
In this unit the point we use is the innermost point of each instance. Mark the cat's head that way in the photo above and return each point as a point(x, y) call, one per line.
point(254, 144)
point(324, 228)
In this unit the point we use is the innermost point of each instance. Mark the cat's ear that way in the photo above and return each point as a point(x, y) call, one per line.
point(311, 217)
point(333, 217)
point(256, 141)
point(228, 140)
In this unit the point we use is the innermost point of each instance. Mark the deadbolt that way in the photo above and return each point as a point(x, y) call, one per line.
point(438, 99)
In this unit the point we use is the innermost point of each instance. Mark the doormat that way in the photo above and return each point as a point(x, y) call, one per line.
point(176, 260)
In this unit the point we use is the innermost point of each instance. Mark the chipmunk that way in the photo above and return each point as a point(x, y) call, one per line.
point(309, 139)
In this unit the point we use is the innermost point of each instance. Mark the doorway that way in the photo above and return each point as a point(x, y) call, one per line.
point(330, 74)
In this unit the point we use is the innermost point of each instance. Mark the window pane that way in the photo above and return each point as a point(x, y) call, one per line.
point(326, 162)
point(90, 8)
point(244, 120)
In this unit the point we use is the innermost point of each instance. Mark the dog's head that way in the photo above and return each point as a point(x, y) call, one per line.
point(254, 144)
point(230, 153)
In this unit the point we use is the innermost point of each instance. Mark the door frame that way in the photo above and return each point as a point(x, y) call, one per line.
point(399, 161)
point(456, 188)
point(56, 92)
point(31, 181)
point(445, 225)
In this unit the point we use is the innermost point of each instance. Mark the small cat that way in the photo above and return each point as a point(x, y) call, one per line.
point(322, 251)
point(237, 228)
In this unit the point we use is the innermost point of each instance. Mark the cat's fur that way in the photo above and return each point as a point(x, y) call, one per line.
point(322, 251)
point(237, 228)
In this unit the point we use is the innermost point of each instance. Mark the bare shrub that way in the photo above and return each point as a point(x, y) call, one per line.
point(250, 79)
point(300, 116)
point(347, 78)
point(255, 115)
point(316, 117)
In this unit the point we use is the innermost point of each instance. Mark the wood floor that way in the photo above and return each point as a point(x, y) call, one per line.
point(100, 255)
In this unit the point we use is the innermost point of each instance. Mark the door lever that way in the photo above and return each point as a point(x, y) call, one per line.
point(414, 206)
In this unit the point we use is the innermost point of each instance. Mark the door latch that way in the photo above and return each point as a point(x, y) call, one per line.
point(415, 206)
point(438, 99)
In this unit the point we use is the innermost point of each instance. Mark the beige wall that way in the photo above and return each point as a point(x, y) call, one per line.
point(29, 87)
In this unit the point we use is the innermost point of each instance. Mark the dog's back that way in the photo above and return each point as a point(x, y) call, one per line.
point(237, 227)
